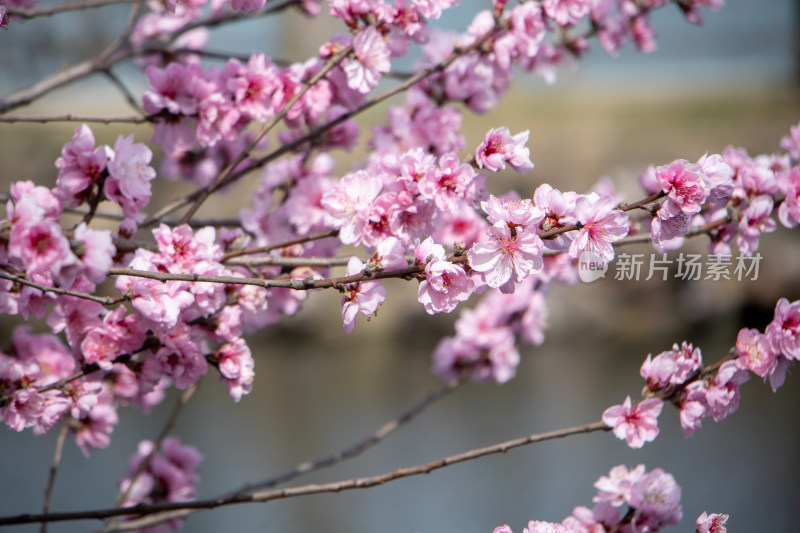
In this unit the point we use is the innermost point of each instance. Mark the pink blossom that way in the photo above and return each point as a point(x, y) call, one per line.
point(445, 285)
point(361, 297)
point(170, 476)
point(615, 488)
point(513, 211)
point(600, 226)
point(498, 361)
point(783, 333)
point(94, 431)
point(643, 33)
point(789, 185)
point(180, 357)
point(506, 255)
point(711, 523)
point(672, 367)
point(693, 407)
point(463, 225)
point(448, 183)
point(44, 250)
point(537, 526)
point(372, 59)
point(755, 353)
point(236, 368)
point(566, 12)
point(685, 184)
point(131, 169)
point(499, 148)
point(722, 396)
point(23, 409)
point(348, 202)
point(389, 255)
point(95, 252)
point(80, 166)
point(791, 143)
point(246, 6)
point(754, 221)
point(635, 424)
point(656, 497)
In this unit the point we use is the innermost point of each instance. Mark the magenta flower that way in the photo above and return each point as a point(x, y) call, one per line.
point(499, 148)
point(600, 226)
point(636, 424)
point(755, 220)
point(672, 367)
point(348, 204)
point(372, 59)
point(657, 500)
point(685, 185)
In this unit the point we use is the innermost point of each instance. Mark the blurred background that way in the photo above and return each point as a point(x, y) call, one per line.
point(317, 390)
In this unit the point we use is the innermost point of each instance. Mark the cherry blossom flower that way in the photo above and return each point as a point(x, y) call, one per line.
point(170, 476)
point(722, 396)
point(361, 297)
point(784, 330)
point(600, 226)
point(754, 221)
point(711, 523)
point(755, 353)
point(506, 255)
point(566, 12)
point(789, 185)
point(791, 143)
point(445, 285)
point(672, 367)
point(372, 60)
point(656, 497)
point(636, 424)
point(694, 407)
point(236, 368)
point(80, 166)
point(347, 204)
point(499, 148)
point(685, 184)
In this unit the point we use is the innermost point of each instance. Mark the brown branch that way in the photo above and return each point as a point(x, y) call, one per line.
point(284, 244)
point(305, 490)
point(104, 300)
point(33, 13)
point(69, 117)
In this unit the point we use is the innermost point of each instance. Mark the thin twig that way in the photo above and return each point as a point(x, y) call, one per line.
point(91, 4)
point(305, 490)
point(104, 300)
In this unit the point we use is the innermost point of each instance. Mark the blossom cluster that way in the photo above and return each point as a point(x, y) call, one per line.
point(169, 475)
point(678, 375)
point(652, 500)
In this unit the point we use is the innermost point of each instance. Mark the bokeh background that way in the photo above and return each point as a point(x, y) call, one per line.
point(733, 81)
